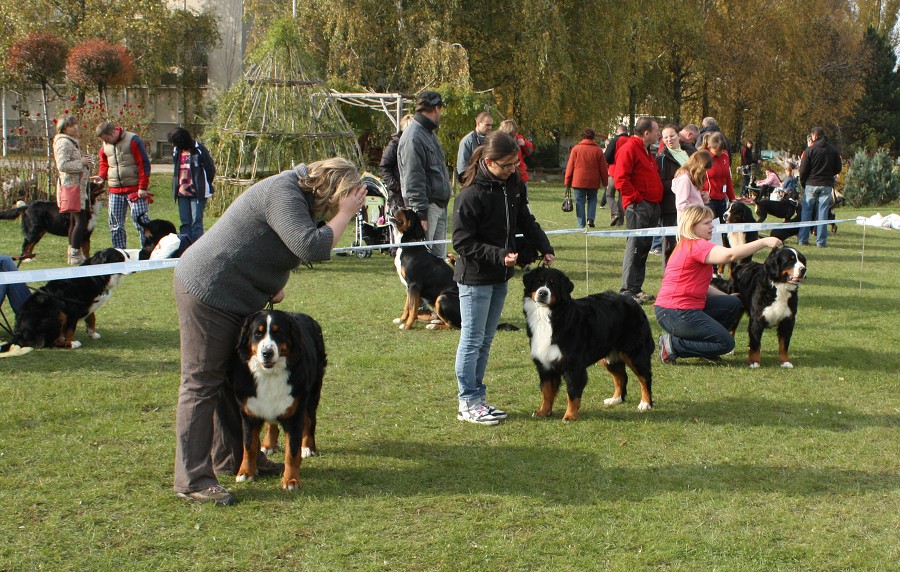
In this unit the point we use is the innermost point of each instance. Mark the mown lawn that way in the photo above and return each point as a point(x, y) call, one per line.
point(733, 469)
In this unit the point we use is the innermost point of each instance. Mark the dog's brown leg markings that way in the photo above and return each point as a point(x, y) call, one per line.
point(248, 464)
point(549, 390)
point(573, 406)
point(413, 299)
point(290, 481)
point(783, 356)
point(270, 441)
point(753, 357)
point(309, 437)
point(646, 393)
point(620, 380)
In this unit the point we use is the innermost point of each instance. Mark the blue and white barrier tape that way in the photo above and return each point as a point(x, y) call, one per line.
point(85, 271)
point(142, 265)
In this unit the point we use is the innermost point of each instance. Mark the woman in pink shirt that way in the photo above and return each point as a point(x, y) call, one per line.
point(697, 316)
point(689, 180)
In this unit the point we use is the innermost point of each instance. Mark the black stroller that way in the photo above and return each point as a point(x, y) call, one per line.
point(372, 226)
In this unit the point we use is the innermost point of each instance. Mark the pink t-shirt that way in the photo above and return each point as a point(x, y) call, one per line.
point(685, 283)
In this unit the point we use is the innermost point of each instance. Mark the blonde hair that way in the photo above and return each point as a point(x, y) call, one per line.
point(696, 167)
point(713, 140)
point(404, 121)
point(65, 121)
point(509, 127)
point(328, 181)
point(689, 218)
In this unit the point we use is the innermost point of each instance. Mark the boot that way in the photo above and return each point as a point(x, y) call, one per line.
point(75, 256)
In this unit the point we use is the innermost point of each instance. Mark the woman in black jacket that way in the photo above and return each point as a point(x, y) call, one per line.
point(488, 213)
point(192, 181)
point(673, 154)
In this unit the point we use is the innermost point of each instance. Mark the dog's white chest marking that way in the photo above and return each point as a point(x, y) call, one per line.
point(273, 392)
point(399, 265)
point(103, 298)
point(542, 347)
point(779, 310)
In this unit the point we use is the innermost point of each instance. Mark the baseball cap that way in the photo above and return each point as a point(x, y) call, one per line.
point(428, 99)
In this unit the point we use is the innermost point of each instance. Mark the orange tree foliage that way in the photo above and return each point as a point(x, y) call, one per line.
point(98, 63)
point(37, 57)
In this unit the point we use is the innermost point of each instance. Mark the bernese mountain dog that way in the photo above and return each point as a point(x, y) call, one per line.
point(41, 217)
point(49, 317)
point(769, 294)
point(567, 335)
point(276, 372)
point(425, 276)
point(788, 210)
point(162, 241)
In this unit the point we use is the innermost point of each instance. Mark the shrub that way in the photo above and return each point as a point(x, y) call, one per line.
point(872, 179)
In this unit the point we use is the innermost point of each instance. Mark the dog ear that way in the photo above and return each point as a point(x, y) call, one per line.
point(296, 337)
point(568, 285)
point(771, 265)
point(243, 344)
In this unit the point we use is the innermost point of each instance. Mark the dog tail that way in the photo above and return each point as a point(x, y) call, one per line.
point(14, 213)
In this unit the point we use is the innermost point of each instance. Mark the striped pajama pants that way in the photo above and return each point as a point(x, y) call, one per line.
point(139, 212)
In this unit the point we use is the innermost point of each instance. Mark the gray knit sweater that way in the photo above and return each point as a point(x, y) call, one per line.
point(247, 255)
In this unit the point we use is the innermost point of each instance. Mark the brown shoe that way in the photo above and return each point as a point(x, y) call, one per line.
point(266, 466)
point(216, 493)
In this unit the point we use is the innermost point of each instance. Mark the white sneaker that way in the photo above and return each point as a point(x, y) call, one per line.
point(498, 413)
point(480, 415)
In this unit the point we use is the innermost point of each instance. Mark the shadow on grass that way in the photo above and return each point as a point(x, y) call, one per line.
point(416, 469)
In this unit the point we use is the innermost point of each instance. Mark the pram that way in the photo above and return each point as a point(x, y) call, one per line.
point(372, 226)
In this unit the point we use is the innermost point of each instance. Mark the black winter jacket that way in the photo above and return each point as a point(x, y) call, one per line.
point(388, 167)
point(820, 163)
point(203, 171)
point(668, 166)
point(487, 215)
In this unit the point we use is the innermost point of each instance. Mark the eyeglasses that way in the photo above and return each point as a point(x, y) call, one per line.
point(506, 166)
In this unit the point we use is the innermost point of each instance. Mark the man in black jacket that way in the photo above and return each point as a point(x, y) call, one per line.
point(819, 165)
point(615, 204)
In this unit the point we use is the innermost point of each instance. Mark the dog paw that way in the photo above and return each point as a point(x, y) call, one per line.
point(542, 414)
point(610, 401)
point(290, 485)
point(787, 365)
point(93, 334)
point(398, 320)
point(402, 326)
point(644, 406)
point(243, 478)
point(306, 452)
point(74, 344)
point(267, 451)
point(754, 364)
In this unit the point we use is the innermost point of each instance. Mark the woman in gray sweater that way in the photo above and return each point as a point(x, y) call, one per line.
point(240, 264)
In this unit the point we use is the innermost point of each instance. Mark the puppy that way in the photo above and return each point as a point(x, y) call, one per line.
point(567, 335)
point(768, 292)
point(276, 373)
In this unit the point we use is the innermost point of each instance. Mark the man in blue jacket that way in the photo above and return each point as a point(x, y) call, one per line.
point(424, 179)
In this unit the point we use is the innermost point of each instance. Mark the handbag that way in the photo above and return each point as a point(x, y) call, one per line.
point(567, 201)
point(68, 197)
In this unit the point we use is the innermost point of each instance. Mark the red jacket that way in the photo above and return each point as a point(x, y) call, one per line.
point(637, 176)
point(719, 176)
point(524, 151)
point(586, 168)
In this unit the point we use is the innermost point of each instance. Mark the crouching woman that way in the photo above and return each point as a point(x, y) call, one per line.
point(697, 316)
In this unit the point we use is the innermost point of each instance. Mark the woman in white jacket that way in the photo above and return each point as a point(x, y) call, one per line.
point(74, 175)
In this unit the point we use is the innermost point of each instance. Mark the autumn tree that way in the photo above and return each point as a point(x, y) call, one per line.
point(38, 57)
point(876, 121)
point(98, 63)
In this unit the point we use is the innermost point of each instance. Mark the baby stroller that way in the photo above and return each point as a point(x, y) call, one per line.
point(372, 226)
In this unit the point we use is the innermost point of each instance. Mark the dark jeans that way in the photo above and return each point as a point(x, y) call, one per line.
point(634, 265)
point(702, 333)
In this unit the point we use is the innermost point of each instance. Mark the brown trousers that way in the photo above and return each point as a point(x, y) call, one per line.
point(207, 418)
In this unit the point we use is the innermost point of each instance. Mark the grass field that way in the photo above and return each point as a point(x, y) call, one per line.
point(734, 469)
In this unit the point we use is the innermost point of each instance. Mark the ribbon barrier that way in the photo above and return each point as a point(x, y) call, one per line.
point(144, 265)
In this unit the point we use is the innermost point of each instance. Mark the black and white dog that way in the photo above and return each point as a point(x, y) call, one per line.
point(568, 335)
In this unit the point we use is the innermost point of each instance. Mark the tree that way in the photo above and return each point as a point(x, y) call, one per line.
point(876, 122)
point(39, 57)
point(98, 63)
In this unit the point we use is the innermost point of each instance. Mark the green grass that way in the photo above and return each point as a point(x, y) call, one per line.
point(733, 469)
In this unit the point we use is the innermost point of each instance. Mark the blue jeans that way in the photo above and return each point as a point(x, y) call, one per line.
point(17, 293)
point(701, 333)
point(190, 211)
point(580, 196)
point(817, 202)
point(139, 209)
point(480, 306)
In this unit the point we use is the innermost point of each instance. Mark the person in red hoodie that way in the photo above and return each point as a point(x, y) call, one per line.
point(718, 179)
point(586, 172)
point(637, 179)
point(125, 166)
